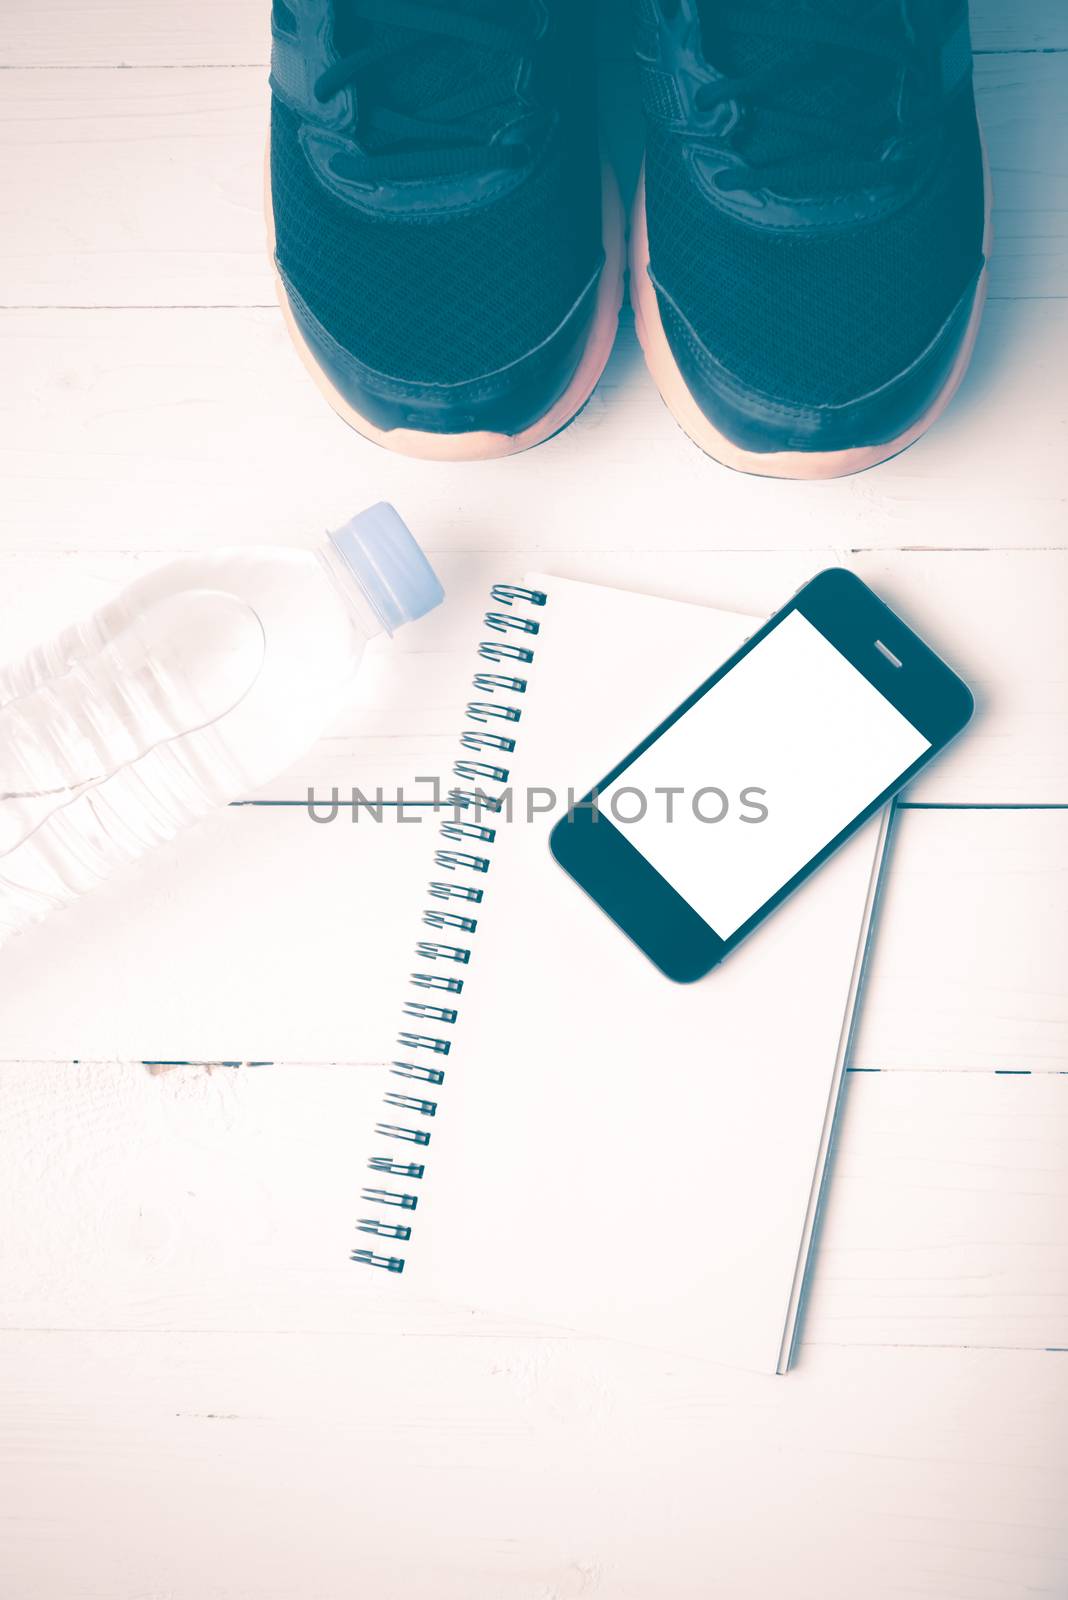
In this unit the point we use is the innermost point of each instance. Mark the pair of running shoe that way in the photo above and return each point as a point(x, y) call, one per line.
point(807, 248)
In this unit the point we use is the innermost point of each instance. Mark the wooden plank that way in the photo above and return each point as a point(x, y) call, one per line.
point(996, 615)
point(1030, 254)
point(154, 185)
point(144, 430)
point(257, 936)
point(227, 1200)
point(1034, 25)
point(155, 182)
point(946, 1220)
point(261, 935)
point(121, 33)
point(276, 1467)
point(56, 33)
point(967, 968)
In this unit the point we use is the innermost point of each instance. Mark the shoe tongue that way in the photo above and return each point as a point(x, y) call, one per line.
point(421, 69)
point(849, 94)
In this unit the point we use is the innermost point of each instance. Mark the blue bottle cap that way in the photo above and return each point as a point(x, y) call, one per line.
point(378, 548)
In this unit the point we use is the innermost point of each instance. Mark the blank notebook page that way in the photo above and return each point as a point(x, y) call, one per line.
point(614, 1153)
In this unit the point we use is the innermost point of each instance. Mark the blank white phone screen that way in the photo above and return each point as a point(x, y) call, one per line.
point(794, 719)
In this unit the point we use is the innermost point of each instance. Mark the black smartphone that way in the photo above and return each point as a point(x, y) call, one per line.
point(770, 765)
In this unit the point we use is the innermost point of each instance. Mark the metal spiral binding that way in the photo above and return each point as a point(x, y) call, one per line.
point(455, 891)
point(475, 800)
point(487, 741)
point(484, 710)
point(455, 859)
point(491, 650)
point(467, 830)
point(458, 830)
point(489, 681)
point(480, 769)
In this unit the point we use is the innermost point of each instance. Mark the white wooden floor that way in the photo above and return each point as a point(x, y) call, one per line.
point(192, 1407)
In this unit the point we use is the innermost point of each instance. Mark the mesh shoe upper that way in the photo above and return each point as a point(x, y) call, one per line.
point(443, 299)
point(817, 319)
point(808, 310)
point(444, 295)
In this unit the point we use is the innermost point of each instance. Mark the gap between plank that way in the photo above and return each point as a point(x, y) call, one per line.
point(902, 805)
point(246, 66)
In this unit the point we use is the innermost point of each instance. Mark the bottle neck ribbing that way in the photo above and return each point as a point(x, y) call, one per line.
point(359, 602)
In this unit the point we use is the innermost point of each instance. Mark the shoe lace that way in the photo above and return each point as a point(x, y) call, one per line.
point(435, 84)
point(832, 95)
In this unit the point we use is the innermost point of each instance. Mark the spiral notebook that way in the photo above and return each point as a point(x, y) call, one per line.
point(568, 1137)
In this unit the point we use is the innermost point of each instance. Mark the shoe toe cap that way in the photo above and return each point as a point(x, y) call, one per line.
point(760, 420)
point(505, 400)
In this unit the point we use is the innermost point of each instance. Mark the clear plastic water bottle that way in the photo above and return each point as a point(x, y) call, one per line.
point(195, 685)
